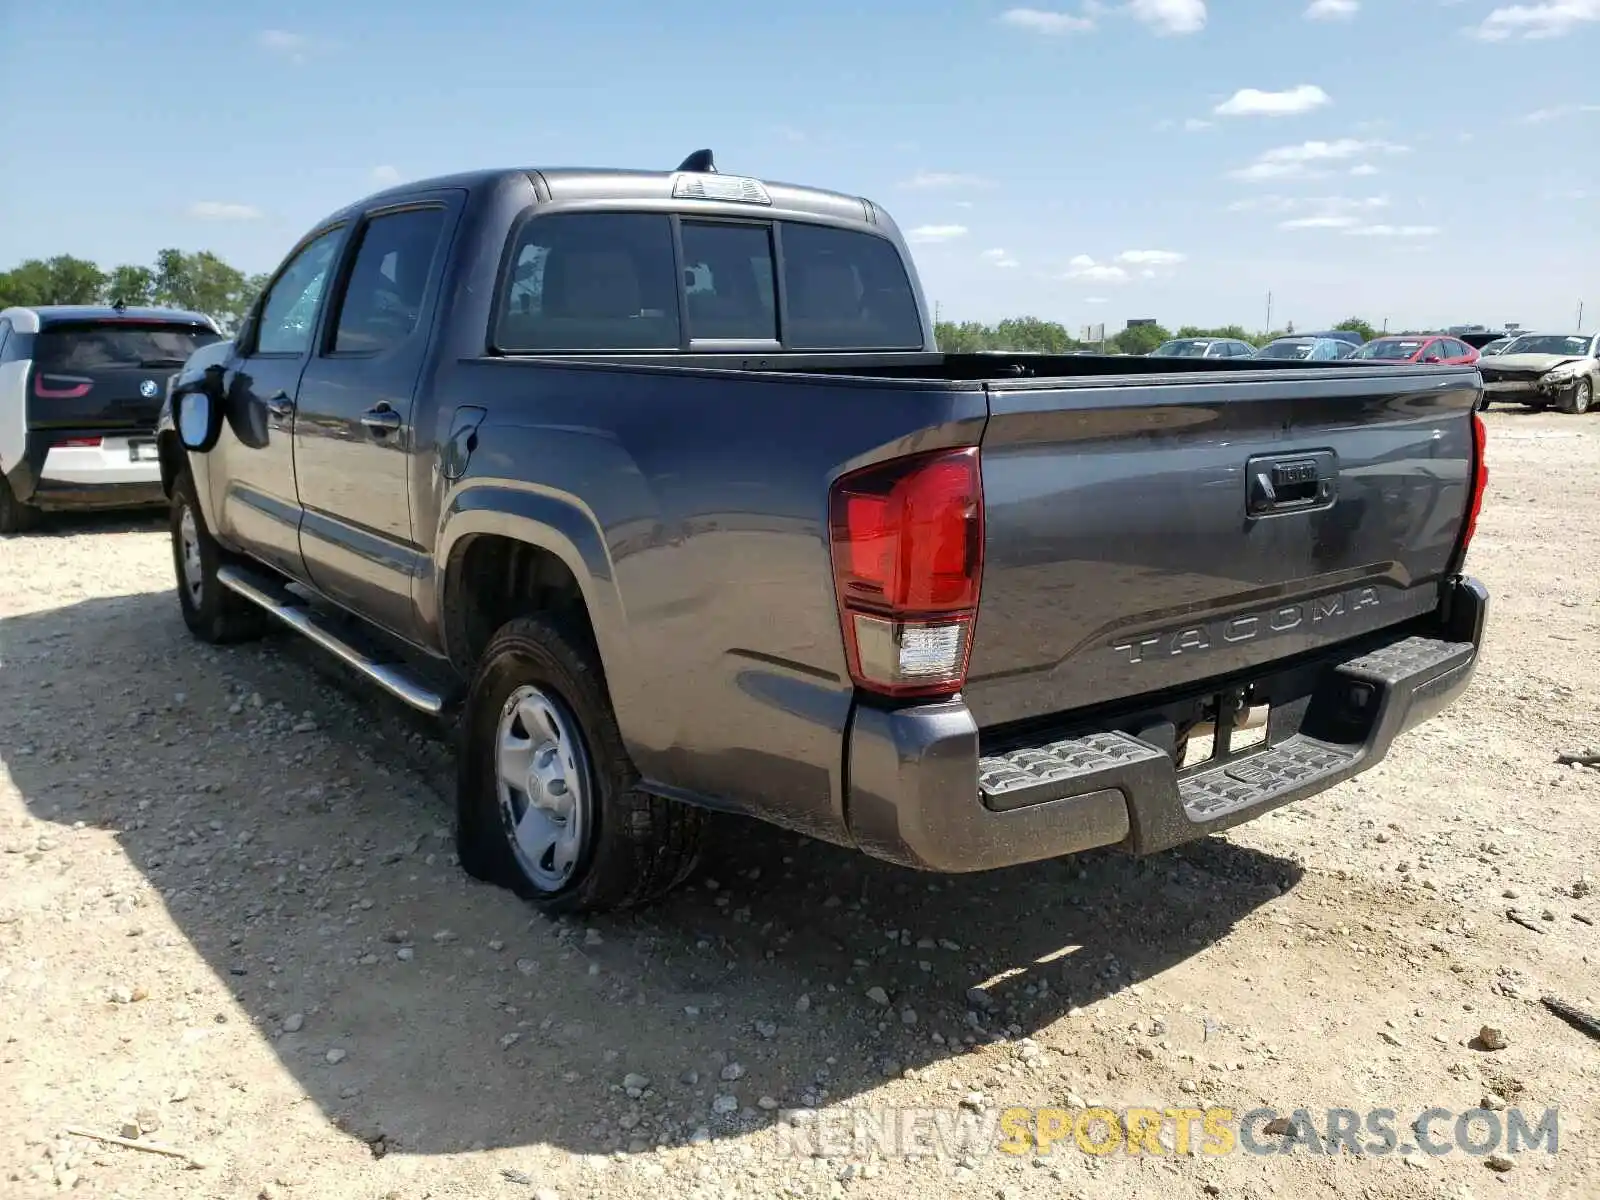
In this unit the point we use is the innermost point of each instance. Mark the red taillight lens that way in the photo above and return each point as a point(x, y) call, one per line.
point(907, 543)
point(83, 441)
point(1480, 481)
point(60, 387)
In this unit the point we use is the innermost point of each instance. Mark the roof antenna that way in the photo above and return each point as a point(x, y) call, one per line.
point(699, 162)
point(119, 304)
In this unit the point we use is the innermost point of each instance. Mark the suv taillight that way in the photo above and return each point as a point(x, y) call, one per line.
point(907, 543)
point(1480, 481)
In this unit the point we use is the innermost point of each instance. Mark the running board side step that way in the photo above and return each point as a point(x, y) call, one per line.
point(389, 676)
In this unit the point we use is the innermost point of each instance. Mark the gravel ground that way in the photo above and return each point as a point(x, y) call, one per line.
point(230, 924)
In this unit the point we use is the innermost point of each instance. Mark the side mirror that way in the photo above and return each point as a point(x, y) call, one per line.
point(198, 416)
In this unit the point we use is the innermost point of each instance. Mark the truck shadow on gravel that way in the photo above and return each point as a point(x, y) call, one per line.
point(296, 829)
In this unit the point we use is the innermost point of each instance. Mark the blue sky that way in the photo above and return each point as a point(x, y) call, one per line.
point(1424, 161)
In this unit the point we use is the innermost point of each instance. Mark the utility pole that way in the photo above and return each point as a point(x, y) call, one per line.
point(1268, 330)
point(1580, 317)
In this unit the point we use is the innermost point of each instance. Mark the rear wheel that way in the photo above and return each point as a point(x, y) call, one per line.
point(211, 611)
point(15, 516)
point(1577, 401)
point(548, 803)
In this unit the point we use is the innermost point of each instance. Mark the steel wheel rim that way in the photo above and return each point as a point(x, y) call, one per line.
point(189, 548)
point(544, 786)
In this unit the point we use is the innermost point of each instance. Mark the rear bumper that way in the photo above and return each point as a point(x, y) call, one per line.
point(53, 476)
point(921, 792)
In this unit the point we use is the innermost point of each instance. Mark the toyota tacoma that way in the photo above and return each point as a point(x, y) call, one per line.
point(656, 488)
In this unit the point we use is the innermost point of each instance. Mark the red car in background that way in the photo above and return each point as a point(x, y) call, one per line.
point(1419, 348)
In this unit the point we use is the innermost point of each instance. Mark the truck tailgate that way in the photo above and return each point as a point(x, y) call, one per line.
point(1146, 535)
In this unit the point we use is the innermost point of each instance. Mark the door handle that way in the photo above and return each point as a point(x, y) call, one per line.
point(280, 406)
point(381, 420)
point(1289, 483)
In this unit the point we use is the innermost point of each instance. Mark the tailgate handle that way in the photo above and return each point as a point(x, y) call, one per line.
point(1286, 484)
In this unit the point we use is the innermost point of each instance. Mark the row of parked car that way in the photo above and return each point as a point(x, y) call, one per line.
point(1540, 370)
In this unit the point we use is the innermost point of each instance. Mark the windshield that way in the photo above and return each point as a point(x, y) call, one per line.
point(1543, 343)
point(93, 346)
point(1495, 346)
point(1182, 348)
point(1287, 349)
point(1390, 349)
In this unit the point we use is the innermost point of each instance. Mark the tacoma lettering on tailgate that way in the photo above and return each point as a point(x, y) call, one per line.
point(1193, 639)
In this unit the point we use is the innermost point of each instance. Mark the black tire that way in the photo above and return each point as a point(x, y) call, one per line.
point(212, 613)
point(634, 848)
point(1577, 401)
point(15, 516)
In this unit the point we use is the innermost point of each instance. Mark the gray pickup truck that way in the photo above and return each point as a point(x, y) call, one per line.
point(656, 488)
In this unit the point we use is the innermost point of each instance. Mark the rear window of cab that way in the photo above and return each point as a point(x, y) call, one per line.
point(603, 282)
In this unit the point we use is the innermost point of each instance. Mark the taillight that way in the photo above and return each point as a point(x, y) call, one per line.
point(60, 387)
point(1480, 481)
point(80, 442)
point(907, 543)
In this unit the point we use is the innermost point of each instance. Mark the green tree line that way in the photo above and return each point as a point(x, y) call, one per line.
point(198, 281)
point(1032, 334)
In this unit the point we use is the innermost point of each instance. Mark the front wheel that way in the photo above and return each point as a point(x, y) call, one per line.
point(548, 803)
point(1578, 399)
point(211, 611)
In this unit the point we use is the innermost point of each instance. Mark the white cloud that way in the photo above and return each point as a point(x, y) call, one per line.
point(999, 258)
point(1326, 221)
point(945, 179)
point(1540, 115)
point(386, 175)
point(1084, 267)
point(937, 233)
point(1151, 258)
point(1362, 169)
point(1395, 231)
point(215, 210)
point(1537, 20)
point(1195, 124)
point(1252, 102)
point(1038, 20)
point(1332, 10)
point(1288, 162)
point(1313, 212)
point(1170, 16)
point(296, 47)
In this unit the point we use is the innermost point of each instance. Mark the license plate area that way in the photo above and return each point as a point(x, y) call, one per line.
point(1229, 723)
point(142, 450)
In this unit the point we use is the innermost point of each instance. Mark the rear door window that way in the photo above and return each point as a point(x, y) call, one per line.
point(591, 281)
point(846, 291)
point(728, 282)
point(383, 300)
point(98, 346)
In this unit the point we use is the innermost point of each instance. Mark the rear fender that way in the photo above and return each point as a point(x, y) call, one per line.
point(555, 523)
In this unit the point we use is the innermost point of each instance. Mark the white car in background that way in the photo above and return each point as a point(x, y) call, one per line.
point(80, 389)
point(1541, 369)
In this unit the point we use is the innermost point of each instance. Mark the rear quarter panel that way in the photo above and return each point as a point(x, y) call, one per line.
point(692, 507)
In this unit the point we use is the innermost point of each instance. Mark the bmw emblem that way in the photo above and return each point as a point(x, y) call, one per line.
point(148, 389)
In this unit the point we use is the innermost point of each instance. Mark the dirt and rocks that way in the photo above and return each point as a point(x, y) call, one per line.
point(231, 928)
